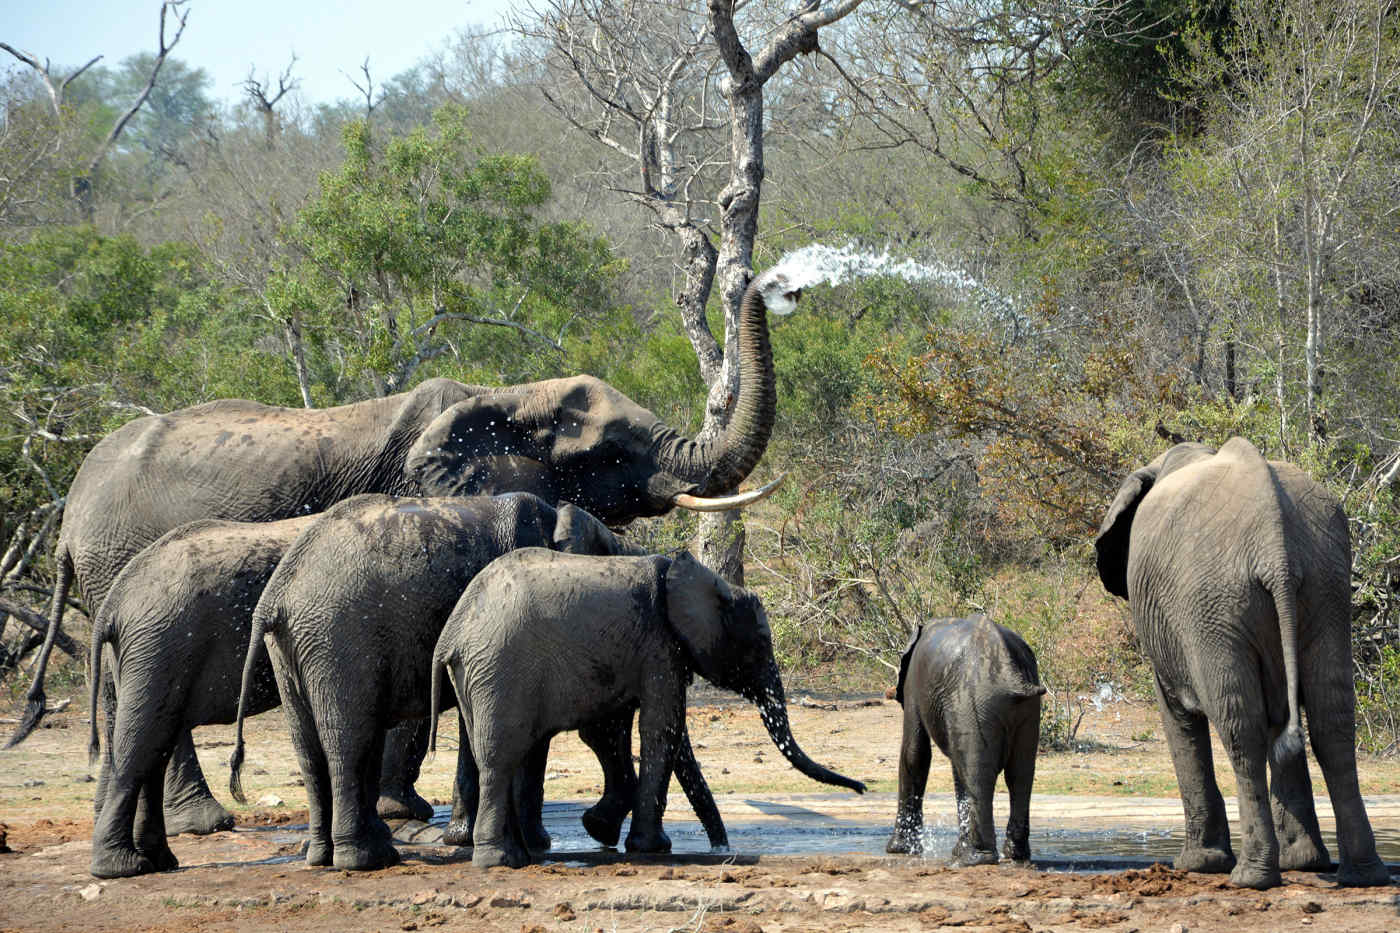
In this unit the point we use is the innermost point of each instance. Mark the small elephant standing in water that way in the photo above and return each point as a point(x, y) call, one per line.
point(542, 642)
point(1237, 570)
point(351, 616)
point(177, 618)
point(972, 687)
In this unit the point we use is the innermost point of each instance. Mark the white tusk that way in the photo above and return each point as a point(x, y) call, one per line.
point(724, 503)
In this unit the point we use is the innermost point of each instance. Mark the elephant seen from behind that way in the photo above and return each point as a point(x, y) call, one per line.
point(351, 616)
point(971, 687)
point(1237, 571)
point(542, 642)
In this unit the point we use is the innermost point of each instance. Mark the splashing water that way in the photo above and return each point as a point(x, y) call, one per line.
point(817, 263)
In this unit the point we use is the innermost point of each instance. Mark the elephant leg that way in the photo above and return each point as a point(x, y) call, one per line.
point(915, 755)
point(495, 838)
point(114, 853)
point(1207, 847)
point(355, 752)
point(150, 819)
point(611, 740)
point(528, 799)
point(977, 835)
point(1020, 776)
point(1247, 744)
point(697, 791)
point(311, 756)
point(659, 724)
point(129, 835)
point(466, 792)
point(404, 750)
point(190, 806)
point(1295, 818)
point(1330, 699)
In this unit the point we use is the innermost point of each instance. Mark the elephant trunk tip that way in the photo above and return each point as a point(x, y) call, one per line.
point(1289, 743)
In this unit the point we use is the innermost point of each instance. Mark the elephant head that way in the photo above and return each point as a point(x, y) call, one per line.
point(725, 633)
point(577, 532)
point(1111, 543)
point(580, 439)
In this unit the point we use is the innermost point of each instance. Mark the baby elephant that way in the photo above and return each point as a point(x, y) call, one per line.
point(541, 642)
point(177, 618)
point(972, 686)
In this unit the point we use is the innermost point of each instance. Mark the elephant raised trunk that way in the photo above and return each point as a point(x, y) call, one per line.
point(717, 466)
point(772, 708)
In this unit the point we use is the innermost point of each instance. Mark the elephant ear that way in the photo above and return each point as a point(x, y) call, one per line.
point(481, 446)
point(904, 663)
point(576, 531)
point(697, 604)
point(1111, 543)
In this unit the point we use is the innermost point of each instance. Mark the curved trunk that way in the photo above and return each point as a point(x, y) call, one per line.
point(720, 465)
point(772, 707)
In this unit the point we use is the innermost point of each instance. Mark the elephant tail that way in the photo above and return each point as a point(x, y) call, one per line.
point(435, 694)
point(1289, 744)
point(442, 664)
point(261, 617)
point(101, 634)
point(35, 701)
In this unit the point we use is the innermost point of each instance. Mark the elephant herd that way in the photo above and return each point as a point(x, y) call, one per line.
point(368, 565)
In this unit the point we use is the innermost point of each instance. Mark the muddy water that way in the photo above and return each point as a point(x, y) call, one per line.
point(783, 828)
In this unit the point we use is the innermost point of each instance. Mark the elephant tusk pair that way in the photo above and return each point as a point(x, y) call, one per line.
point(724, 503)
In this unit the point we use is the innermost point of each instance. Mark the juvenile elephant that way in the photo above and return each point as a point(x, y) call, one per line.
point(352, 614)
point(177, 618)
point(1237, 570)
point(576, 439)
point(542, 642)
point(971, 686)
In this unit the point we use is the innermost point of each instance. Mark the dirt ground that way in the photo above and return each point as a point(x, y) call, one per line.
point(250, 879)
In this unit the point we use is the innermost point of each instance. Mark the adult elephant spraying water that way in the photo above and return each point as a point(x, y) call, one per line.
point(575, 439)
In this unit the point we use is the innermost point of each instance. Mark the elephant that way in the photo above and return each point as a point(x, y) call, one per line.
point(972, 686)
point(351, 616)
point(576, 439)
point(177, 618)
point(1237, 572)
point(541, 642)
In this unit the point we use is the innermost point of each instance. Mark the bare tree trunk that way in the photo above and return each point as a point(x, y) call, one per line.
point(292, 331)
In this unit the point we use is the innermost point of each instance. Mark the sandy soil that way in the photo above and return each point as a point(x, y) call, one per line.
point(249, 878)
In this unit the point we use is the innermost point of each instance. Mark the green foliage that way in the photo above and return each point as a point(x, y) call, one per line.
point(427, 257)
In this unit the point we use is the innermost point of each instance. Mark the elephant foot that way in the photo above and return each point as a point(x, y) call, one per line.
point(318, 852)
point(966, 856)
point(905, 843)
point(537, 838)
point(374, 854)
point(200, 815)
point(159, 855)
point(398, 803)
point(603, 824)
point(1249, 875)
point(119, 863)
point(1210, 861)
point(641, 840)
point(1304, 854)
point(457, 833)
point(1370, 873)
point(1019, 851)
point(493, 856)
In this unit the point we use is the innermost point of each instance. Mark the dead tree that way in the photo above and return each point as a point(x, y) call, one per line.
point(264, 100)
point(674, 89)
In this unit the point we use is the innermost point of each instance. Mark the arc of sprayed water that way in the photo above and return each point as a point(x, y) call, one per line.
point(818, 262)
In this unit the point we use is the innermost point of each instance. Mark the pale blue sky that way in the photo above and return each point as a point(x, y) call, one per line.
point(224, 37)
